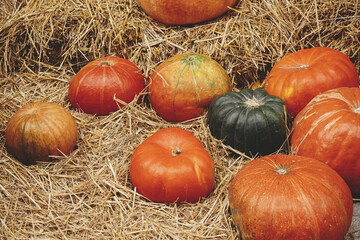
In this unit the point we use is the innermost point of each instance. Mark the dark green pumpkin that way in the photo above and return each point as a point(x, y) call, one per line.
point(251, 121)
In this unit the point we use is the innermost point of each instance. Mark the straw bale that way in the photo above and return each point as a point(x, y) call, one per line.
point(88, 194)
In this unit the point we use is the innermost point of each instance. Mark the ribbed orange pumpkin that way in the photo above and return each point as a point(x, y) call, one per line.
point(176, 12)
point(95, 86)
point(298, 77)
point(38, 130)
point(183, 86)
point(290, 197)
point(328, 129)
point(172, 166)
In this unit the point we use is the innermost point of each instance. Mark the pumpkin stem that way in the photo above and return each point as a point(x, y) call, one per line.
point(296, 67)
point(282, 170)
point(357, 110)
point(253, 102)
point(303, 66)
point(106, 63)
point(176, 152)
point(191, 58)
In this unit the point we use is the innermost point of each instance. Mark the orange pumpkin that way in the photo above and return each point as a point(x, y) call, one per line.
point(290, 197)
point(172, 166)
point(328, 129)
point(182, 87)
point(38, 130)
point(298, 77)
point(175, 12)
point(95, 86)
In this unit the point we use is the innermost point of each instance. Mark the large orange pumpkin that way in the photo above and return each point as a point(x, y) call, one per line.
point(95, 86)
point(182, 87)
point(176, 12)
point(290, 197)
point(298, 77)
point(172, 166)
point(38, 130)
point(328, 129)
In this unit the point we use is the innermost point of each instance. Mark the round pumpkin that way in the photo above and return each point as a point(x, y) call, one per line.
point(182, 87)
point(172, 166)
point(175, 12)
point(298, 77)
point(290, 197)
point(40, 130)
point(251, 121)
point(95, 86)
point(328, 129)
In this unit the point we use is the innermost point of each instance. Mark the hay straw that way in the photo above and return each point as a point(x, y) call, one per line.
point(88, 194)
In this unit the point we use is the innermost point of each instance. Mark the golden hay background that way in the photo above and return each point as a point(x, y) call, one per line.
point(88, 194)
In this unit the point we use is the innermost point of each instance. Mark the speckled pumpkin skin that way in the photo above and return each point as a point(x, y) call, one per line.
point(182, 87)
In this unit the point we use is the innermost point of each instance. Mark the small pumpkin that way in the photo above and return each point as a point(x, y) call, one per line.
point(40, 130)
point(95, 86)
point(328, 129)
point(182, 87)
point(172, 166)
point(174, 12)
point(290, 197)
point(251, 121)
point(298, 77)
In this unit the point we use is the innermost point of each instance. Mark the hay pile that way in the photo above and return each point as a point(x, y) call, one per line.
point(88, 194)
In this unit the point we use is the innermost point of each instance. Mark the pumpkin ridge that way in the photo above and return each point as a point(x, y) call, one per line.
point(308, 208)
point(297, 188)
point(102, 90)
point(340, 70)
point(327, 188)
point(169, 64)
point(81, 80)
point(126, 71)
point(245, 134)
point(265, 118)
point(30, 143)
point(22, 138)
point(176, 88)
point(45, 143)
point(128, 64)
point(163, 80)
point(313, 127)
point(317, 55)
point(52, 126)
point(341, 97)
point(265, 131)
point(196, 82)
point(212, 118)
point(118, 81)
point(240, 115)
